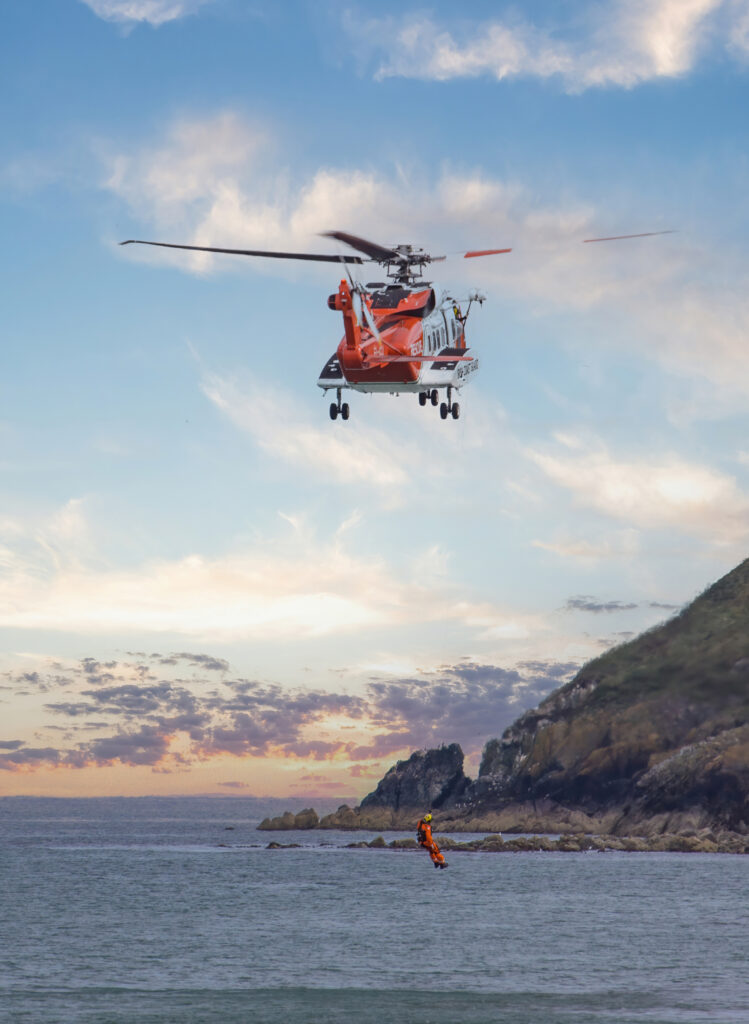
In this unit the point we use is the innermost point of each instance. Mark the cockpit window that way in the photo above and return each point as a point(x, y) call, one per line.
point(389, 298)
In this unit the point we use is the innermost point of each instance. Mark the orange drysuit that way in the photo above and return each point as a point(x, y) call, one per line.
point(424, 835)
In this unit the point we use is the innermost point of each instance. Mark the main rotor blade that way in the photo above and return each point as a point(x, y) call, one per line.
point(643, 234)
point(372, 249)
point(252, 252)
point(609, 238)
point(483, 252)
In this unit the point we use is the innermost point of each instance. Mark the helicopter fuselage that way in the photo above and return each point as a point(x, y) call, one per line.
point(418, 346)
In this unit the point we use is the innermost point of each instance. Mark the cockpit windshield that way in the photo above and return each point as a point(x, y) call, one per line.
point(390, 297)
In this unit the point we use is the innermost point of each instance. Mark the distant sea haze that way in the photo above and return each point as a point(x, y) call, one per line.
point(173, 909)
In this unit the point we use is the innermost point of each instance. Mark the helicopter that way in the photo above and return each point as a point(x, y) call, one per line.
point(398, 336)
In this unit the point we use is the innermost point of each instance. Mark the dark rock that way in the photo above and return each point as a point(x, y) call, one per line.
point(378, 843)
point(287, 821)
point(428, 780)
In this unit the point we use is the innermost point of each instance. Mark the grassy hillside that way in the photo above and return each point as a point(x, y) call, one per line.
point(697, 655)
point(661, 721)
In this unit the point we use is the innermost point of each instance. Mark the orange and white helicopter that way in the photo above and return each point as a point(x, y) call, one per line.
point(398, 336)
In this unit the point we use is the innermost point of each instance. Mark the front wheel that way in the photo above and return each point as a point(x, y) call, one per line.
point(333, 410)
point(456, 410)
point(344, 411)
point(443, 411)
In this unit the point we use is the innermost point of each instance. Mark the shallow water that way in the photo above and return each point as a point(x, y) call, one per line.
point(115, 911)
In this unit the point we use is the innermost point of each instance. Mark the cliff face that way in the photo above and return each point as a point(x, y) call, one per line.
point(429, 779)
point(656, 730)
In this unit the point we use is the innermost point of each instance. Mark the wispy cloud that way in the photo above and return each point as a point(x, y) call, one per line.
point(357, 456)
point(655, 493)
point(618, 43)
point(153, 12)
point(300, 586)
point(586, 603)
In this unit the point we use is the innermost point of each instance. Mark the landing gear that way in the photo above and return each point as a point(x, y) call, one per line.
point(449, 408)
point(423, 395)
point(435, 396)
point(338, 407)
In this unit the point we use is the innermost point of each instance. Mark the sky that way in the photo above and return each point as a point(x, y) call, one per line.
point(206, 586)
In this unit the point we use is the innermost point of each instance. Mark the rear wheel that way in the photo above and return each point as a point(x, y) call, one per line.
point(435, 396)
point(333, 410)
point(344, 411)
point(443, 411)
point(423, 398)
point(456, 410)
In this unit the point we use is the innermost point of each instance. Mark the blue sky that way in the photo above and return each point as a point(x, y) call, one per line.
point(205, 583)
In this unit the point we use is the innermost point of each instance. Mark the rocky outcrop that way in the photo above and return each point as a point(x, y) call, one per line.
point(374, 819)
point(287, 821)
point(428, 780)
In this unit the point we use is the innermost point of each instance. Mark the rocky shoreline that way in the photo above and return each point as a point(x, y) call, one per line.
point(706, 842)
point(539, 817)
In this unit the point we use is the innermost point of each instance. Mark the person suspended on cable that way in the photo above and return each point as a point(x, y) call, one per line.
point(425, 839)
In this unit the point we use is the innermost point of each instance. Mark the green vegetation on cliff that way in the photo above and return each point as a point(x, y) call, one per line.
point(657, 726)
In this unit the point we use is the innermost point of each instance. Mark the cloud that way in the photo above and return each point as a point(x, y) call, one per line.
point(147, 746)
point(584, 603)
point(203, 661)
point(739, 32)
point(360, 455)
point(465, 703)
point(656, 493)
point(217, 181)
point(623, 544)
point(163, 723)
point(29, 758)
point(296, 585)
point(154, 12)
point(619, 43)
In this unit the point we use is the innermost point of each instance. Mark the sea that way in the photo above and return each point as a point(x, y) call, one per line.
point(172, 909)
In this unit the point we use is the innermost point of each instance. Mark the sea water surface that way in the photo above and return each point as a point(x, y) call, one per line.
point(173, 909)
